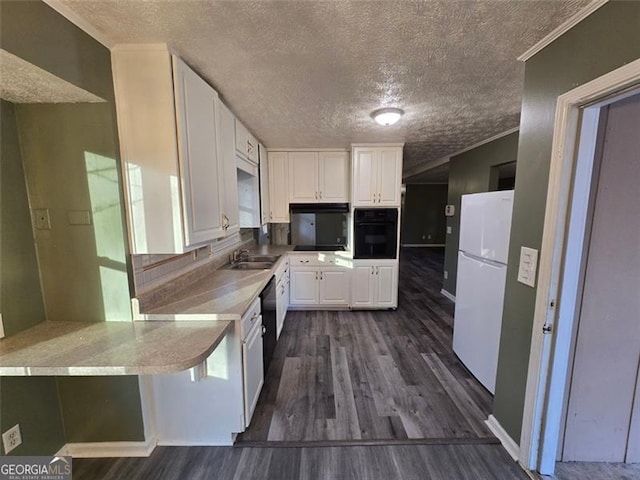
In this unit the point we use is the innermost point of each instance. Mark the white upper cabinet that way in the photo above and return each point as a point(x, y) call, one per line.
point(200, 173)
point(364, 177)
point(264, 184)
point(278, 187)
point(333, 177)
point(167, 126)
point(318, 177)
point(303, 177)
point(225, 133)
point(377, 176)
point(246, 144)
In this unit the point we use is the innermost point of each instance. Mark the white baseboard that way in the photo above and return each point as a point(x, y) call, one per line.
point(448, 295)
point(110, 449)
point(191, 443)
point(414, 245)
point(508, 443)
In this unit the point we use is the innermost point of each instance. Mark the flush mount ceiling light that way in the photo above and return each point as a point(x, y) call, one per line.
point(387, 116)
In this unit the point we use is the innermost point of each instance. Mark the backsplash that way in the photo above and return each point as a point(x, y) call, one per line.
point(151, 272)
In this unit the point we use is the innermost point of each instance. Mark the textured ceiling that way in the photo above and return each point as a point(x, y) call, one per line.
point(308, 73)
point(439, 174)
point(22, 82)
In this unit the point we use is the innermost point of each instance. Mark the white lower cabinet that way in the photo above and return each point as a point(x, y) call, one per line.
point(190, 408)
point(282, 296)
point(252, 361)
point(319, 286)
point(374, 284)
point(304, 288)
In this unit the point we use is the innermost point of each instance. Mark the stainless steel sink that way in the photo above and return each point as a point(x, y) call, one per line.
point(260, 258)
point(244, 265)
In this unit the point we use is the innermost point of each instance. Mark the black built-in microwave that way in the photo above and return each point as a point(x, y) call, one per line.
point(375, 232)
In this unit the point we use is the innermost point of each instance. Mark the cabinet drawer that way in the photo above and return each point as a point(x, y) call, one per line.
point(250, 317)
point(317, 260)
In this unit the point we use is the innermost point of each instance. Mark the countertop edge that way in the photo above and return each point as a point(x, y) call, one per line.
point(117, 370)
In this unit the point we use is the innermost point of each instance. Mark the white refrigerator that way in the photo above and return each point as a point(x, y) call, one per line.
point(485, 225)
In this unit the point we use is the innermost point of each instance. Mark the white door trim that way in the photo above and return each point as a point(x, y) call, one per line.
point(563, 159)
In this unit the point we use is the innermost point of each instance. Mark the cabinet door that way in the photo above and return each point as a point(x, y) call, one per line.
point(389, 176)
point(278, 188)
point(334, 286)
point(364, 176)
point(252, 148)
point(280, 307)
point(386, 278)
point(287, 295)
point(227, 160)
point(264, 185)
point(304, 289)
point(200, 174)
point(303, 177)
point(252, 359)
point(362, 286)
point(333, 177)
point(242, 137)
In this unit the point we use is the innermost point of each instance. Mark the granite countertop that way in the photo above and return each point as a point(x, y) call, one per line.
point(110, 348)
point(224, 294)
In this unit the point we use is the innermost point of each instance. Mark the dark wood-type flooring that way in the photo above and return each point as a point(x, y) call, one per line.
point(411, 462)
point(373, 375)
point(352, 395)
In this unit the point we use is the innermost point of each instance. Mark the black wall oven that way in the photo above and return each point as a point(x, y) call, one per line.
point(375, 232)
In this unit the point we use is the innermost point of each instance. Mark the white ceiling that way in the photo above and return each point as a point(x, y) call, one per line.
point(308, 73)
point(23, 82)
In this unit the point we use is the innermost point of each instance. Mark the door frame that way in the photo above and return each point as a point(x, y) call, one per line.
point(559, 273)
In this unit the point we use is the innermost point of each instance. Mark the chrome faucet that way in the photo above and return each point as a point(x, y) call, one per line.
point(237, 254)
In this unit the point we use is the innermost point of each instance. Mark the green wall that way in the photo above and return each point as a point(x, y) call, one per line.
point(471, 172)
point(20, 294)
point(31, 402)
point(83, 267)
point(36, 33)
point(423, 215)
point(604, 41)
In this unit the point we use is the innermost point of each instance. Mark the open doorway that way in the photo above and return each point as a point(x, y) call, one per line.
point(584, 321)
point(605, 353)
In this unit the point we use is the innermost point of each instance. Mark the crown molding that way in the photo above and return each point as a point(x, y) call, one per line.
point(562, 29)
point(442, 160)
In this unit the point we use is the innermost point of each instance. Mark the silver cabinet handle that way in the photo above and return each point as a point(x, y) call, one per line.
point(264, 330)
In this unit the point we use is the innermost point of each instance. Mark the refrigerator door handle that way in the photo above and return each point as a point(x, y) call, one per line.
point(490, 263)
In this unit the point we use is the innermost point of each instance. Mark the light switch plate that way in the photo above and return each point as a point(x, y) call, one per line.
point(79, 217)
point(449, 230)
point(449, 210)
point(528, 266)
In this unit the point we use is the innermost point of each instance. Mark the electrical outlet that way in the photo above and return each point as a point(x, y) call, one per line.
point(446, 275)
point(11, 438)
point(43, 222)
